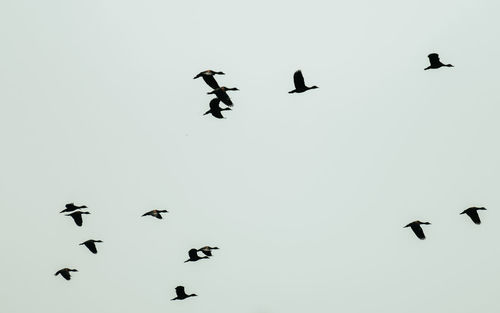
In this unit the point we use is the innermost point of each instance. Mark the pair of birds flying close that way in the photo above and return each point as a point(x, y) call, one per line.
point(76, 214)
point(471, 212)
point(219, 92)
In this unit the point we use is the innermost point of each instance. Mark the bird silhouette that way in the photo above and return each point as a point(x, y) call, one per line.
point(155, 213)
point(207, 250)
point(299, 83)
point(193, 256)
point(208, 77)
point(70, 207)
point(90, 244)
point(222, 94)
point(65, 272)
point(415, 226)
point(435, 62)
point(215, 109)
point(181, 294)
point(77, 217)
point(472, 213)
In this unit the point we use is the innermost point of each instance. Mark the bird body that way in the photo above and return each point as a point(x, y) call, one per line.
point(215, 109)
point(193, 256)
point(208, 77)
point(472, 213)
point(181, 294)
point(90, 244)
point(435, 62)
point(222, 95)
point(417, 229)
point(70, 207)
point(77, 217)
point(65, 272)
point(300, 86)
point(207, 250)
point(155, 213)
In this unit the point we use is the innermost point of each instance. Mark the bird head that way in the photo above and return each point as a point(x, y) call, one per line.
point(314, 87)
point(220, 73)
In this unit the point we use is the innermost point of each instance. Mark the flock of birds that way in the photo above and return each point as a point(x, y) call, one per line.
point(76, 214)
point(216, 111)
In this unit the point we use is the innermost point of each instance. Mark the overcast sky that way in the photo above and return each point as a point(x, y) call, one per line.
point(305, 194)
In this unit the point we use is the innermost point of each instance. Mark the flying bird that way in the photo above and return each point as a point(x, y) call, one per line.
point(181, 294)
point(90, 244)
point(193, 256)
point(435, 62)
point(222, 95)
point(77, 217)
point(299, 83)
point(415, 226)
point(155, 213)
point(207, 250)
point(70, 207)
point(472, 213)
point(65, 272)
point(215, 109)
point(208, 77)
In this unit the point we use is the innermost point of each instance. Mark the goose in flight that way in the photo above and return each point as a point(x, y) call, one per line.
point(208, 77)
point(215, 109)
point(90, 244)
point(415, 226)
point(193, 256)
point(472, 213)
point(70, 207)
point(299, 83)
point(222, 95)
point(435, 62)
point(181, 294)
point(155, 213)
point(77, 217)
point(65, 272)
point(207, 250)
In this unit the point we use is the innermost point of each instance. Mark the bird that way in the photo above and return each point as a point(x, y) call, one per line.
point(435, 62)
point(77, 216)
point(298, 81)
point(208, 77)
point(65, 272)
point(415, 226)
point(207, 250)
point(222, 95)
point(215, 109)
point(70, 207)
point(472, 213)
point(193, 256)
point(90, 244)
point(181, 294)
point(155, 213)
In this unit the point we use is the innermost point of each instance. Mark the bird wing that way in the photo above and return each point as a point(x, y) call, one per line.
point(222, 95)
point(214, 104)
point(434, 58)
point(179, 290)
point(158, 215)
point(148, 213)
point(474, 216)
point(193, 254)
point(64, 274)
point(298, 80)
point(77, 218)
point(91, 246)
point(418, 231)
point(210, 80)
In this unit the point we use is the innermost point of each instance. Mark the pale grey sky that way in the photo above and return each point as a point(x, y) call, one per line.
point(305, 194)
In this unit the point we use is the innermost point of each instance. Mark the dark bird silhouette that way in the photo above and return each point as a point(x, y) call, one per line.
point(65, 272)
point(472, 213)
point(208, 77)
point(222, 95)
point(215, 109)
point(435, 62)
point(155, 213)
point(70, 207)
point(299, 83)
point(181, 294)
point(193, 256)
point(90, 244)
point(207, 250)
point(415, 226)
point(77, 217)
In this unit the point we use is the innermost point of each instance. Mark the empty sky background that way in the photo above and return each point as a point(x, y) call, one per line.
point(305, 194)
